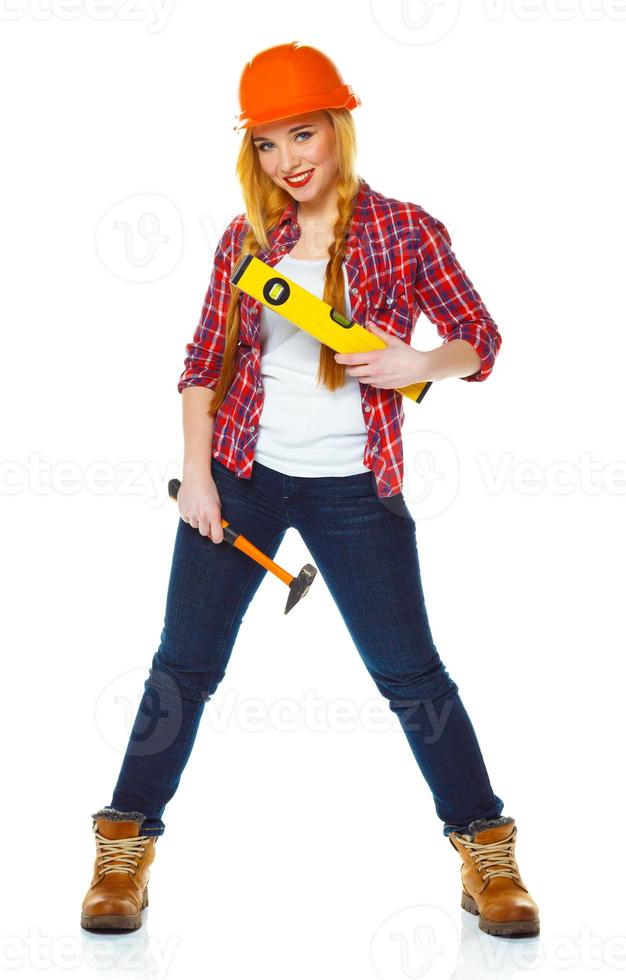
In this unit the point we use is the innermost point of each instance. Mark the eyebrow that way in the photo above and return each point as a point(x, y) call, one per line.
point(294, 129)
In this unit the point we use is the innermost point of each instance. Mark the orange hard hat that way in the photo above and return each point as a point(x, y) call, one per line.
point(288, 79)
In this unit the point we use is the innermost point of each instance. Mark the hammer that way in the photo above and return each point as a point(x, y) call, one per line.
point(298, 584)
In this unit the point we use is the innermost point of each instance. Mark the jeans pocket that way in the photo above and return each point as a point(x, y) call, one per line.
point(397, 505)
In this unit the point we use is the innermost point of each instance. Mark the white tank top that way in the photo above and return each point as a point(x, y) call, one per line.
point(305, 429)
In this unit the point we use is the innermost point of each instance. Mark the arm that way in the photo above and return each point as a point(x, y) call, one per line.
point(446, 295)
point(198, 498)
point(204, 354)
point(197, 430)
point(454, 359)
point(200, 375)
point(203, 360)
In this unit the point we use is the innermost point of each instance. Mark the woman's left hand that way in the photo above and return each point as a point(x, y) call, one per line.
point(394, 366)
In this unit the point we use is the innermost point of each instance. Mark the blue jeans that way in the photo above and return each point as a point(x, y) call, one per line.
point(365, 549)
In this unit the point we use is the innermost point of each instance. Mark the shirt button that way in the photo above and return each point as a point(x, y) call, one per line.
point(354, 291)
point(259, 387)
point(252, 428)
point(368, 408)
point(389, 301)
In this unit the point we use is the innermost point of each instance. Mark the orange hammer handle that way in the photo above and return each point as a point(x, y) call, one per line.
point(243, 544)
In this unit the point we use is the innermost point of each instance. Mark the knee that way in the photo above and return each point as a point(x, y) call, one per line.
point(423, 700)
point(428, 682)
point(190, 666)
point(176, 681)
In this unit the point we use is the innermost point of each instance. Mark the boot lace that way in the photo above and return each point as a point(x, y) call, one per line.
point(119, 855)
point(496, 859)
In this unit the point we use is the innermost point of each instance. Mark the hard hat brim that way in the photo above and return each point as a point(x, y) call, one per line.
point(342, 98)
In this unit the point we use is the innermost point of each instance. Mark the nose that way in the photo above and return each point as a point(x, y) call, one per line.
point(289, 161)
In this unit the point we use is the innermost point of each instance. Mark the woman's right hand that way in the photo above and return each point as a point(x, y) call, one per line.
point(199, 504)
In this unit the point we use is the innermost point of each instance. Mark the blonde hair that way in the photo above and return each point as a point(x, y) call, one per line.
point(264, 203)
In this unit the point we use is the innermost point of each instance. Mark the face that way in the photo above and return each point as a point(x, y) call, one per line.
point(290, 147)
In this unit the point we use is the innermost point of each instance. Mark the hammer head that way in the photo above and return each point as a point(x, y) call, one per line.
point(300, 585)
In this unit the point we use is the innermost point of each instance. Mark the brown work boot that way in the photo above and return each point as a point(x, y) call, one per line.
point(492, 885)
point(118, 890)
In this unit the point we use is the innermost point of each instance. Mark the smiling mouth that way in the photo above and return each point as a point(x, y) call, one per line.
point(298, 179)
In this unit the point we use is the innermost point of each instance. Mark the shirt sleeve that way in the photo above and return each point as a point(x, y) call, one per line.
point(204, 354)
point(446, 295)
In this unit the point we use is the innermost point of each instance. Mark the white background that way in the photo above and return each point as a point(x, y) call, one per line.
point(292, 851)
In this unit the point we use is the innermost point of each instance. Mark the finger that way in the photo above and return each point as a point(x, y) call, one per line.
point(217, 531)
point(388, 337)
point(351, 358)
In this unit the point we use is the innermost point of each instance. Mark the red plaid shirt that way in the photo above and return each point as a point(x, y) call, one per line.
point(399, 262)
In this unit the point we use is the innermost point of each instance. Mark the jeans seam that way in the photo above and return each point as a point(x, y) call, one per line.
point(235, 611)
point(172, 767)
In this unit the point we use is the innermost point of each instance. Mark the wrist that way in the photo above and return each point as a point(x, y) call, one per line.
point(425, 368)
point(197, 466)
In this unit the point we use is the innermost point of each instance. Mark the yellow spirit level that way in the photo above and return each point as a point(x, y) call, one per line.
point(311, 313)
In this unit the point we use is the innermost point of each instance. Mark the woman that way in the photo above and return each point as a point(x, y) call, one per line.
point(282, 432)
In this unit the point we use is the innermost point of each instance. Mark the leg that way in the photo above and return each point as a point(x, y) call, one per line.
point(210, 588)
point(366, 552)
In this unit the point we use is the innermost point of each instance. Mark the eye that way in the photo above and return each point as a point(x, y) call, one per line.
point(269, 143)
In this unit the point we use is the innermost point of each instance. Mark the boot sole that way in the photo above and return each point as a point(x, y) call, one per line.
point(522, 927)
point(117, 923)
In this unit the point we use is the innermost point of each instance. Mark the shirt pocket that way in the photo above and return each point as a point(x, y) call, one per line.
point(388, 307)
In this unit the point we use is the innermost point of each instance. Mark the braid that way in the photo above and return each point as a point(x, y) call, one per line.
point(329, 372)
